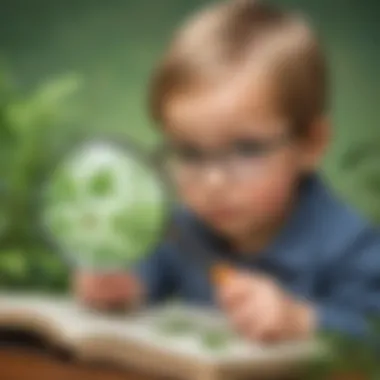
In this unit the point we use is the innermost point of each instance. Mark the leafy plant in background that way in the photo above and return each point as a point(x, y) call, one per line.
point(348, 358)
point(34, 129)
point(361, 162)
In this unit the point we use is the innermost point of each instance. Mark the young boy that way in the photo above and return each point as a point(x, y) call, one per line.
point(241, 99)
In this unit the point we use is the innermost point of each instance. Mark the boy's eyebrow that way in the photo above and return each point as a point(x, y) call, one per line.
point(253, 140)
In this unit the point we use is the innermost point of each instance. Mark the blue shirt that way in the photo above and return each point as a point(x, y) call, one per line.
point(326, 253)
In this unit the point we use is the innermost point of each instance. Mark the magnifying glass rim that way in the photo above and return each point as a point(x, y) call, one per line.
point(150, 162)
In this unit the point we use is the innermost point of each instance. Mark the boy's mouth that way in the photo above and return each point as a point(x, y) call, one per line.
point(221, 213)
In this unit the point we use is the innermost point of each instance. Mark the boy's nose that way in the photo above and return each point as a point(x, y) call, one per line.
point(215, 176)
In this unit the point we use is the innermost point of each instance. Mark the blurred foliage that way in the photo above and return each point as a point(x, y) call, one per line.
point(34, 131)
point(361, 165)
point(348, 357)
point(32, 268)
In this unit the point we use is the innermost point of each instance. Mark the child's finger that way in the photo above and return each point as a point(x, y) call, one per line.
point(244, 317)
point(123, 283)
point(238, 289)
point(128, 289)
point(102, 290)
point(268, 324)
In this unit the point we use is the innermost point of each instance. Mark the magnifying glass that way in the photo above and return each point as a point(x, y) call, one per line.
point(105, 206)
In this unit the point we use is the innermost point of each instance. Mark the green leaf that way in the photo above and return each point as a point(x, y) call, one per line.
point(13, 264)
point(52, 92)
point(42, 108)
point(49, 273)
point(101, 184)
point(120, 223)
point(349, 354)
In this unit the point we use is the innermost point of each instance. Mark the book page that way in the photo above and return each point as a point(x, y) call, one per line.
point(181, 330)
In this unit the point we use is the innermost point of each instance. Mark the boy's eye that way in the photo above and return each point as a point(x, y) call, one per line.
point(188, 154)
point(249, 148)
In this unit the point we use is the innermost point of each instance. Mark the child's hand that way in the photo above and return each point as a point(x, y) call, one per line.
point(260, 310)
point(106, 291)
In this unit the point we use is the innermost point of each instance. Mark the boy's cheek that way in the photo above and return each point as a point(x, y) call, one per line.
point(257, 201)
point(263, 204)
point(191, 193)
point(268, 201)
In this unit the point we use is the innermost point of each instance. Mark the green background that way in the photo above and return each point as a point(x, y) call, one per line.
point(114, 45)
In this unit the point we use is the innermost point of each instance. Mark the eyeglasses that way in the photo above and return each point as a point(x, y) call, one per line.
point(244, 159)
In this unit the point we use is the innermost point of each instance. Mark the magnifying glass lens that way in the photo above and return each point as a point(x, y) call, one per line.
point(105, 207)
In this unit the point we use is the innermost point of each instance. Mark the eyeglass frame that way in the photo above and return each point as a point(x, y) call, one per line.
point(267, 148)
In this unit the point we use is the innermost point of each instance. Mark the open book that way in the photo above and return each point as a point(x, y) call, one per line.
point(174, 340)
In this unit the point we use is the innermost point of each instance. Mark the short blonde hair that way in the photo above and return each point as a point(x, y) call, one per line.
point(218, 39)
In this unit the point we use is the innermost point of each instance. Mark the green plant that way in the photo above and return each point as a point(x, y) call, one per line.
point(361, 166)
point(34, 130)
point(348, 358)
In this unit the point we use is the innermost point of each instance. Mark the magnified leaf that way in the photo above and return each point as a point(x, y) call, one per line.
point(102, 183)
point(60, 226)
point(89, 221)
point(120, 206)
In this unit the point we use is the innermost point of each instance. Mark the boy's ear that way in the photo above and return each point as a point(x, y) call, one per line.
point(316, 143)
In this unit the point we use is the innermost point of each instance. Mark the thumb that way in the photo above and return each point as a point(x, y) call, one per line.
point(236, 290)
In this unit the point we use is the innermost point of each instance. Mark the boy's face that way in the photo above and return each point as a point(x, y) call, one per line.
point(235, 161)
